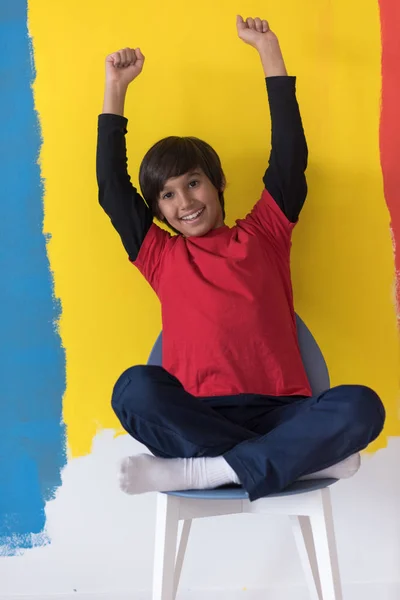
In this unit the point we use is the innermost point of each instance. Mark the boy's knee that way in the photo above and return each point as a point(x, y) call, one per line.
point(135, 388)
point(364, 408)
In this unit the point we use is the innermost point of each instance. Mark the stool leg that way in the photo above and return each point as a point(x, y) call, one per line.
point(325, 548)
point(301, 527)
point(167, 519)
point(181, 553)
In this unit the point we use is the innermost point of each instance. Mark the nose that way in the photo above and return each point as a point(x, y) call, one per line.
point(185, 201)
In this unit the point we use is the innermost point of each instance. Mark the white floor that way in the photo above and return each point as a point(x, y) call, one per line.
point(102, 541)
point(362, 591)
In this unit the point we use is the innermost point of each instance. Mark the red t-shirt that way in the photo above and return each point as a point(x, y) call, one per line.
point(227, 306)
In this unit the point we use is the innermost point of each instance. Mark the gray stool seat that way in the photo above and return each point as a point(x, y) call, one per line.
point(238, 493)
point(318, 377)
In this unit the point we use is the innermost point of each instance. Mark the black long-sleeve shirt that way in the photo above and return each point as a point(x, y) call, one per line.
point(284, 177)
point(227, 304)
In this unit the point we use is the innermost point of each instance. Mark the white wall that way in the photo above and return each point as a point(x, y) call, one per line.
point(102, 540)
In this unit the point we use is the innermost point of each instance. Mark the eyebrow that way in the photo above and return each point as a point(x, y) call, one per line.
point(188, 173)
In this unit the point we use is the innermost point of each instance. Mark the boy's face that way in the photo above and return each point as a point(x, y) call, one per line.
point(190, 204)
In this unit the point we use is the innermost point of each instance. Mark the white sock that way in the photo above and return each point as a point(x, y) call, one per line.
point(342, 470)
point(145, 473)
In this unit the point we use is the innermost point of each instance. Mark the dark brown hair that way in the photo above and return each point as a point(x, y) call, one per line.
point(172, 157)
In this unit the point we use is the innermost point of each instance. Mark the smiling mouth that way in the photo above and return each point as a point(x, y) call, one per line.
point(194, 216)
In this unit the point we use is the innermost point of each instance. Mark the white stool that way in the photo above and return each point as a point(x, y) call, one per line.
point(307, 503)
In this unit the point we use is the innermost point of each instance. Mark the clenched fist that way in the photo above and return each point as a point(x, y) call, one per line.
point(124, 66)
point(255, 31)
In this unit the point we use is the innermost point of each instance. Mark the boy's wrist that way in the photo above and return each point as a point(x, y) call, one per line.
point(272, 58)
point(114, 97)
point(116, 87)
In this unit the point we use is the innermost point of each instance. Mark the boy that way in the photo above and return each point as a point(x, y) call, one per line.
point(232, 403)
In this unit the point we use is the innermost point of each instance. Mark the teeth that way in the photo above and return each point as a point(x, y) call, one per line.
point(193, 216)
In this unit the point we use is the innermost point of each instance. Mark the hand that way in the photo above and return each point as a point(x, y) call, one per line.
point(254, 32)
point(124, 66)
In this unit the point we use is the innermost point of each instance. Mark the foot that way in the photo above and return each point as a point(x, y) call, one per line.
point(342, 470)
point(145, 473)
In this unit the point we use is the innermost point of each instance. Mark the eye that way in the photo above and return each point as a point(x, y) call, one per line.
point(167, 196)
point(193, 183)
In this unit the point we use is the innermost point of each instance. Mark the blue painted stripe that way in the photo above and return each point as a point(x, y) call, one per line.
point(32, 361)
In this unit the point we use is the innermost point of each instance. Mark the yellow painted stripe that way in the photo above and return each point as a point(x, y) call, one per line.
point(199, 79)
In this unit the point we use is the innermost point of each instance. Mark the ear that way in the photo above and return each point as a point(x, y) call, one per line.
point(159, 214)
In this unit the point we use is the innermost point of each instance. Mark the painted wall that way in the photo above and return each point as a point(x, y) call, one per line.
point(32, 362)
point(75, 314)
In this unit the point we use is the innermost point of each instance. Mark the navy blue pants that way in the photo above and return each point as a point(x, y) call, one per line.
point(268, 441)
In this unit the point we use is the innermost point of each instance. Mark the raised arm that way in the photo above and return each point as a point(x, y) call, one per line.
point(127, 210)
point(284, 178)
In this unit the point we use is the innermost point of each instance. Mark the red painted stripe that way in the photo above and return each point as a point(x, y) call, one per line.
point(390, 114)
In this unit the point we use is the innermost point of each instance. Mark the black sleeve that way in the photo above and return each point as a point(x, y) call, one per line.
point(284, 178)
point(127, 210)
